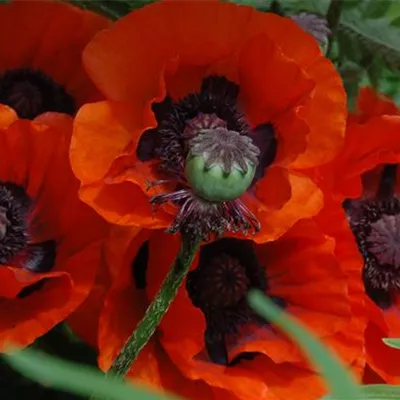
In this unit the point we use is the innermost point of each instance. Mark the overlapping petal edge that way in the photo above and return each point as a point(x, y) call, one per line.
point(372, 140)
point(169, 47)
point(329, 300)
point(35, 157)
point(50, 36)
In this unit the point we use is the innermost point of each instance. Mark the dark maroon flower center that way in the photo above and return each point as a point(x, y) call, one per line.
point(209, 126)
point(227, 270)
point(223, 282)
point(16, 247)
point(376, 226)
point(31, 93)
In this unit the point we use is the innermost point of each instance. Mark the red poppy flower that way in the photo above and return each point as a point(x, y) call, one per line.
point(41, 44)
point(49, 239)
point(210, 345)
point(364, 177)
point(371, 104)
point(212, 111)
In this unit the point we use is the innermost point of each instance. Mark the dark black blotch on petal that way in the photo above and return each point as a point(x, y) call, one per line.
point(381, 297)
point(216, 348)
point(246, 356)
point(387, 182)
point(263, 136)
point(147, 144)
point(41, 257)
point(279, 301)
point(31, 289)
point(217, 287)
point(31, 93)
point(139, 266)
point(149, 140)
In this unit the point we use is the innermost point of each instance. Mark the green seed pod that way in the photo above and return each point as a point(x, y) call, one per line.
point(213, 183)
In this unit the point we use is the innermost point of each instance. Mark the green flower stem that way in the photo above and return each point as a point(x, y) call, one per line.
point(333, 18)
point(157, 309)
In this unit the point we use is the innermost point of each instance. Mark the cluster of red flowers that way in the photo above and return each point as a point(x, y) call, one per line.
point(206, 119)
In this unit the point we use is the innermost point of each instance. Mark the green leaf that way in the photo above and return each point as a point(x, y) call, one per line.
point(395, 343)
point(374, 70)
point(349, 48)
point(262, 5)
point(352, 75)
point(111, 9)
point(315, 6)
point(395, 22)
point(374, 392)
point(340, 382)
point(135, 4)
point(351, 3)
point(74, 378)
point(381, 392)
point(394, 11)
point(376, 9)
point(390, 84)
point(377, 36)
point(374, 36)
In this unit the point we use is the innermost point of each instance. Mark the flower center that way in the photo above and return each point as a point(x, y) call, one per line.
point(227, 269)
point(204, 144)
point(384, 240)
point(222, 282)
point(31, 93)
point(14, 211)
point(16, 247)
point(376, 226)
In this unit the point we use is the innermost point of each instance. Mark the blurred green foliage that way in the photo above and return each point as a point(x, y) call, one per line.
point(395, 343)
point(75, 378)
point(365, 48)
point(113, 9)
point(59, 342)
point(86, 381)
point(342, 385)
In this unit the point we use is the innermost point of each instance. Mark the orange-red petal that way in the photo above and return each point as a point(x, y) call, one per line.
point(36, 158)
point(50, 36)
point(372, 104)
point(174, 59)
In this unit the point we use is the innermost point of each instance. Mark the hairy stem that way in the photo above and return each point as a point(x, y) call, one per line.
point(157, 309)
point(333, 18)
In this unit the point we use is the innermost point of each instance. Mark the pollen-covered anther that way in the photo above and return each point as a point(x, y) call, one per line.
point(209, 156)
point(384, 240)
point(200, 218)
point(221, 164)
point(14, 210)
point(4, 222)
